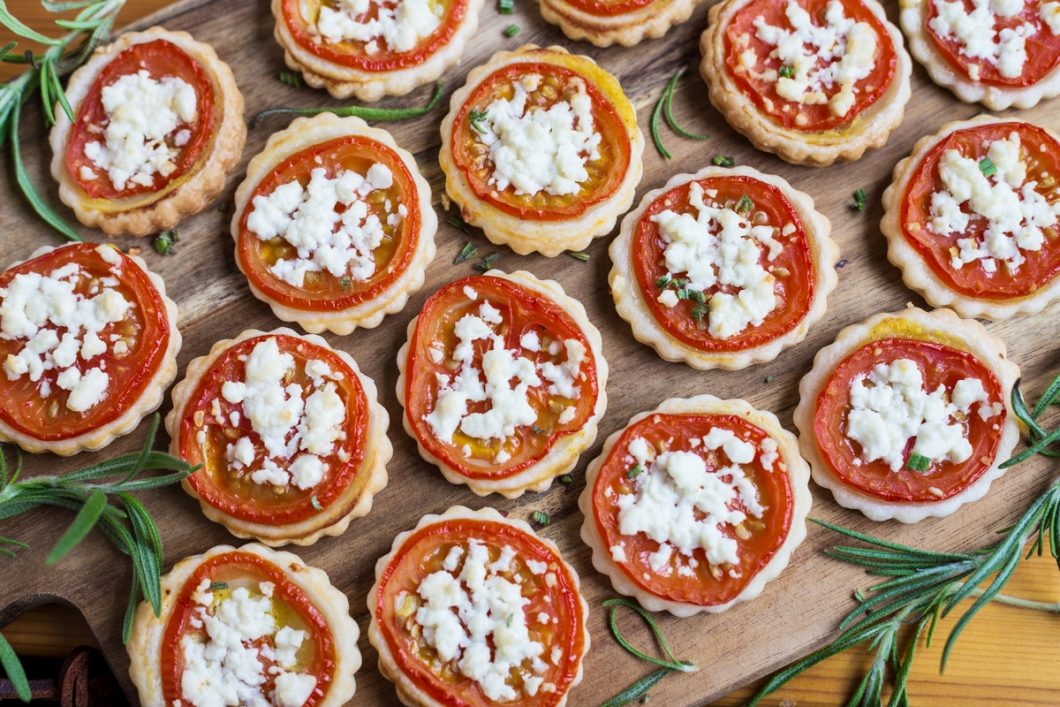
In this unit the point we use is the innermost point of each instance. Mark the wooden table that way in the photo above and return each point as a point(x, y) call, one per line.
point(1007, 656)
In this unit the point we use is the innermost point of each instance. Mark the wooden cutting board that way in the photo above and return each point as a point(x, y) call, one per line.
point(797, 612)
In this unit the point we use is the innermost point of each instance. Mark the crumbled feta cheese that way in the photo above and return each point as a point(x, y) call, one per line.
point(989, 32)
point(399, 26)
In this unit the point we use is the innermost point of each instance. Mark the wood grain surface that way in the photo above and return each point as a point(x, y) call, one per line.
point(1007, 656)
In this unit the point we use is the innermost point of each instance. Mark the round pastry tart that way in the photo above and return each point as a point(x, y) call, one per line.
point(88, 346)
point(973, 217)
point(813, 81)
point(159, 125)
point(333, 225)
point(696, 505)
point(906, 415)
point(373, 48)
point(290, 437)
point(1000, 53)
point(723, 268)
point(624, 22)
point(502, 382)
point(472, 608)
point(541, 150)
point(246, 626)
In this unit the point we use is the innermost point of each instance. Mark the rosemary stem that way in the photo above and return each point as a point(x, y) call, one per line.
point(1052, 607)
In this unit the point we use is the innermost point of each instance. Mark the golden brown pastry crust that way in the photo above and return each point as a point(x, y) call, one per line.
point(564, 454)
point(796, 467)
point(148, 401)
point(334, 519)
point(150, 213)
point(629, 300)
point(546, 237)
point(344, 81)
point(966, 334)
point(869, 129)
point(996, 98)
point(916, 273)
point(302, 134)
point(407, 691)
point(148, 631)
point(626, 29)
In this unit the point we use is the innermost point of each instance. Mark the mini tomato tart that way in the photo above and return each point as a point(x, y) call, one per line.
point(972, 218)
point(473, 608)
point(696, 505)
point(291, 441)
point(159, 126)
point(541, 150)
point(813, 81)
point(373, 48)
point(333, 224)
point(502, 381)
point(906, 416)
point(246, 626)
point(624, 22)
point(88, 346)
point(723, 268)
point(1000, 53)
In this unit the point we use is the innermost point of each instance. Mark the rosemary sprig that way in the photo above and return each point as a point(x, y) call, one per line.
point(923, 586)
point(13, 669)
point(370, 113)
point(102, 497)
point(44, 71)
point(670, 663)
point(664, 108)
point(291, 78)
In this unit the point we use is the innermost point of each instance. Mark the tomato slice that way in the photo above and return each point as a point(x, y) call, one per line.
point(792, 268)
point(208, 427)
point(523, 312)
point(1042, 46)
point(161, 59)
point(605, 172)
point(609, 8)
point(300, 18)
point(758, 539)
point(940, 365)
point(291, 607)
point(1041, 154)
point(552, 591)
point(323, 291)
point(39, 408)
point(760, 82)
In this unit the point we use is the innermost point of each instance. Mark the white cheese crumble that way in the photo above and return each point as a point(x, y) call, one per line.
point(819, 57)
point(63, 330)
point(720, 247)
point(142, 112)
point(890, 406)
point(329, 222)
point(538, 149)
point(240, 647)
point(1015, 212)
point(684, 506)
point(379, 24)
point(297, 426)
point(476, 618)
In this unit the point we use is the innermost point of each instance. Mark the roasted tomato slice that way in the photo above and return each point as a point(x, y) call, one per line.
point(744, 508)
point(83, 331)
point(919, 478)
point(161, 60)
point(453, 406)
point(545, 85)
point(692, 318)
point(279, 430)
point(267, 260)
point(609, 8)
point(543, 638)
point(1034, 258)
point(1041, 43)
point(231, 593)
point(372, 52)
point(793, 81)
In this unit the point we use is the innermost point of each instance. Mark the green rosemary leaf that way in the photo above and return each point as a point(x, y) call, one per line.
point(511, 31)
point(668, 111)
point(579, 255)
point(11, 665)
point(475, 117)
point(653, 125)
point(723, 161)
point(918, 462)
point(215, 586)
point(999, 581)
point(671, 662)
point(9, 547)
point(130, 609)
point(291, 78)
point(41, 207)
point(987, 167)
point(45, 85)
point(505, 7)
point(143, 526)
point(787, 71)
point(634, 471)
point(541, 518)
point(369, 113)
point(638, 689)
point(1051, 396)
point(745, 205)
point(163, 243)
point(316, 503)
point(663, 282)
point(60, 94)
point(860, 200)
point(879, 542)
point(486, 264)
point(15, 26)
point(82, 524)
point(1039, 447)
point(566, 479)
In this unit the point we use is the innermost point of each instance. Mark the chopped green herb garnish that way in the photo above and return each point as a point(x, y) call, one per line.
point(744, 205)
point(215, 586)
point(859, 200)
point(579, 255)
point(663, 282)
point(918, 462)
point(634, 471)
point(369, 113)
point(163, 242)
point(457, 222)
point(699, 312)
point(508, 621)
point(511, 31)
point(723, 161)
point(476, 117)
point(537, 430)
point(469, 251)
point(566, 479)
point(345, 282)
point(770, 379)
point(487, 262)
point(787, 72)
point(858, 595)
point(505, 7)
point(987, 167)
point(696, 296)
point(541, 518)
point(316, 503)
point(292, 79)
